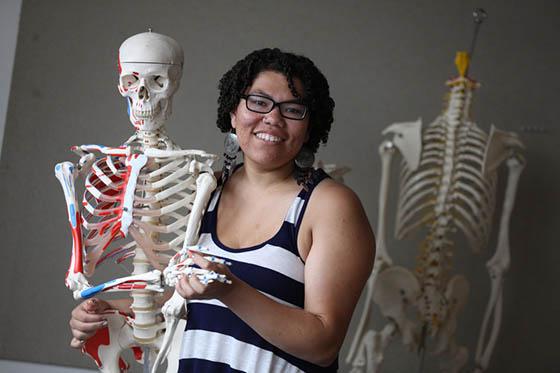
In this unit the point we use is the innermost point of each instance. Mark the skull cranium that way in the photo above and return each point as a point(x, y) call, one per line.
point(150, 69)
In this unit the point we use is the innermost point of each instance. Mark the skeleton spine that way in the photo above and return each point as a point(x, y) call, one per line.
point(145, 325)
point(436, 250)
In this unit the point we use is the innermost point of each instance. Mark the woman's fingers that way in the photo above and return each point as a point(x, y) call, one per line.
point(183, 288)
point(207, 265)
point(76, 343)
point(189, 287)
point(87, 318)
point(200, 261)
point(95, 305)
point(196, 285)
point(87, 327)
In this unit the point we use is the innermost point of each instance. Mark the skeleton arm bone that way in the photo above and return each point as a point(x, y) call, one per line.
point(206, 183)
point(118, 151)
point(386, 151)
point(497, 266)
point(149, 280)
point(66, 173)
point(371, 355)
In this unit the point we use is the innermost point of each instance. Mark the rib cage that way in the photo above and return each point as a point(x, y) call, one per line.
point(163, 198)
point(449, 183)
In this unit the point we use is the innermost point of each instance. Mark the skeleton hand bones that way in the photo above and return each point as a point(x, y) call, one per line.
point(182, 264)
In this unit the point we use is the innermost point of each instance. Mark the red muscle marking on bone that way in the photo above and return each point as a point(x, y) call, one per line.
point(123, 365)
point(91, 346)
point(131, 286)
point(106, 210)
point(101, 338)
point(138, 353)
point(77, 246)
point(105, 213)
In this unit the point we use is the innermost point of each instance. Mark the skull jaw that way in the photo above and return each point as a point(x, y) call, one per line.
point(150, 121)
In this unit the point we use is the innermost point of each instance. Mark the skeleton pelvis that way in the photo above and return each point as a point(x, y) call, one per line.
point(398, 291)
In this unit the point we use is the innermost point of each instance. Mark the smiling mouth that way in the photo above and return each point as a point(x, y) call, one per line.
point(267, 138)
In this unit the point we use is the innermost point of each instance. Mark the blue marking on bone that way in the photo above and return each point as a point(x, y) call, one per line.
point(73, 215)
point(88, 293)
point(57, 168)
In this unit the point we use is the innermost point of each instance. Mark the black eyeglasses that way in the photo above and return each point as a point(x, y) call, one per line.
point(264, 105)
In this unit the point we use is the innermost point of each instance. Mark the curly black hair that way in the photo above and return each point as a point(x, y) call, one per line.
point(316, 94)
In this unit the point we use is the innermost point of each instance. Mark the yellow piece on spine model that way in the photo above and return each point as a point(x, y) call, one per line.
point(462, 63)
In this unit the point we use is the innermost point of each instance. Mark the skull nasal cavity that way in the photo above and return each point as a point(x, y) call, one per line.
point(143, 93)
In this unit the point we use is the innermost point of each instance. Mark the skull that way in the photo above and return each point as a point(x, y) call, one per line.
point(150, 69)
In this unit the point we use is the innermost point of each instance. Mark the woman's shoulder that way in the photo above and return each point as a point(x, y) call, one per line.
point(331, 195)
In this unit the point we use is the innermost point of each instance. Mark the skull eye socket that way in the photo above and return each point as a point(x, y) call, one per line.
point(129, 81)
point(160, 82)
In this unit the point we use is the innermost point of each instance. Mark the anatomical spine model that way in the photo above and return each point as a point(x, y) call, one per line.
point(142, 200)
point(447, 184)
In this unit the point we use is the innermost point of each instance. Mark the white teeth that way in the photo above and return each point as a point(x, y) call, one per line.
point(267, 137)
point(146, 113)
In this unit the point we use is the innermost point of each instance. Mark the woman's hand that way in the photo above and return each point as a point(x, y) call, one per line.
point(87, 318)
point(189, 287)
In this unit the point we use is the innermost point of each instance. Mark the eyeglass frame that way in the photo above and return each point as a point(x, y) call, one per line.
point(275, 104)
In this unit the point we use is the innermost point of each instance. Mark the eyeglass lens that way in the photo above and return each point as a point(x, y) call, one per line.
point(264, 105)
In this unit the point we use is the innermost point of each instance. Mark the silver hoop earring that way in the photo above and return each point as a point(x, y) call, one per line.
point(303, 172)
point(231, 148)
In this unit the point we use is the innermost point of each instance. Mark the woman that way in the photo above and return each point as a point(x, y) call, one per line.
point(300, 244)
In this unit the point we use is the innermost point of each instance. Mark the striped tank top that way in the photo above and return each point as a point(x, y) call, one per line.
point(215, 339)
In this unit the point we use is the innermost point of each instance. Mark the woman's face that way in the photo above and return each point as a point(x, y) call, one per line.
point(270, 140)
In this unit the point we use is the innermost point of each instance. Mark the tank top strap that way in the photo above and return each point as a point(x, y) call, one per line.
point(299, 205)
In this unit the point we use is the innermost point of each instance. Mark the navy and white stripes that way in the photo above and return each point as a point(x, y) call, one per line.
point(215, 339)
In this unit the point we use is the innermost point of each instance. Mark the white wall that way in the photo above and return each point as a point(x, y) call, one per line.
point(9, 22)
point(8, 366)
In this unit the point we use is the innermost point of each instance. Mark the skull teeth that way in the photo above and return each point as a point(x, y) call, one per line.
point(146, 113)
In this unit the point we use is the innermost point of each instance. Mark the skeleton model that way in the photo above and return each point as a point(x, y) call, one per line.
point(142, 200)
point(447, 184)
